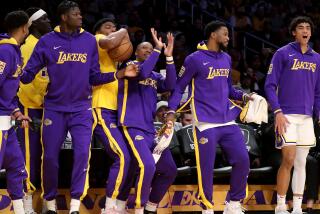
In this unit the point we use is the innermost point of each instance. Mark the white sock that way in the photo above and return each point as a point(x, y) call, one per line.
point(138, 211)
point(27, 202)
point(281, 200)
point(18, 206)
point(151, 206)
point(44, 206)
point(297, 202)
point(210, 211)
point(121, 205)
point(110, 203)
point(74, 205)
point(51, 205)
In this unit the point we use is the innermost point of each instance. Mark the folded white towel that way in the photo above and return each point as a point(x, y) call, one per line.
point(255, 111)
point(5, 123)
point(163, 140)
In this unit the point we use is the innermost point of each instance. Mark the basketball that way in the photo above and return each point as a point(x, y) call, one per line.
point(121, 52)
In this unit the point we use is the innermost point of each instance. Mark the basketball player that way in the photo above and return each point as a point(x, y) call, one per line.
point(208, 71)
point(11, 157)
point(293, 91)
point(137, 101)
point(31, 103)
point(71, 57)
point(104, 103)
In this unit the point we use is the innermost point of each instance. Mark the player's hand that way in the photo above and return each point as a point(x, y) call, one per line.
point(169, 117)
point(281, 123)
point(157, 41)
point(168, 49)
point(24, 119)
point(131, 71)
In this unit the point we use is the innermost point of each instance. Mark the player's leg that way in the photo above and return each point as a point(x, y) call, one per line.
point(299, 178)
point(141, 144)
point(287, 144)
point(32, 151)
point(15, 172)
point(80, 125)
point(233, 145)
point(112, 138)
point(312, 182)
point(306, 139)
point(205, 150)
point(129, 183)
point(166, 172)
point(3, 143)
point(53, 134)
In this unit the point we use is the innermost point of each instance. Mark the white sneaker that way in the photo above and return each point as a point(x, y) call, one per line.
point(281, 210)
point(30, 212)
point(207, 212)
point(122, 211)
point(233, 208)
point(27, 204)
point(109, 211)
point(298, 211)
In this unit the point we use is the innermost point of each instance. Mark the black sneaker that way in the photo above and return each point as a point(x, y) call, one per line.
point(149, 212)
point(51, 212)
point(75, 212)
point(311, 211)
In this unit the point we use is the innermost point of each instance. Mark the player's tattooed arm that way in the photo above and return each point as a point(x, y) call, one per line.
point(114, 39)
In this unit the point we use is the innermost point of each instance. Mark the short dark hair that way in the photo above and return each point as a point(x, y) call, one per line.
point(298, 20)
point(65, 6)
point(99, 23)
point(212, 27)
point(15, 19)
point(183, 114)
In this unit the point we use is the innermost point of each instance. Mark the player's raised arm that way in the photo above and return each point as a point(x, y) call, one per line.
point(170, 81)
point(150, 61)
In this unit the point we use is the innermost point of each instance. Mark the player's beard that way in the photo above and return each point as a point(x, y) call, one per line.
point(222, 47)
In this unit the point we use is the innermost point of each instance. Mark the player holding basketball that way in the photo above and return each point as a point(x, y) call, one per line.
point(293, 91)
point(71, 57)
point(11, 158)
point(208, 71)
point(31, 104)
point(105, 106)
point(137, 105)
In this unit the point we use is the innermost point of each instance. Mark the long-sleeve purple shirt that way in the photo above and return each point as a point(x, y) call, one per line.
point(73, 66)
point(209, 75)
point(10, 72)
point(137, 97)
point(293, 81)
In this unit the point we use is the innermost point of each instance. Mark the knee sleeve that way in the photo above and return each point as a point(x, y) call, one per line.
point(299, 171)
